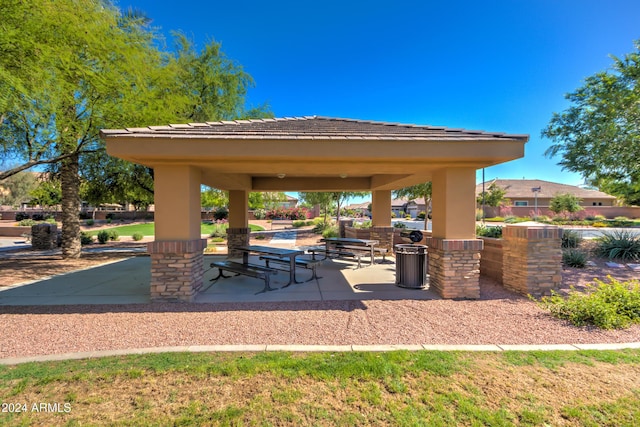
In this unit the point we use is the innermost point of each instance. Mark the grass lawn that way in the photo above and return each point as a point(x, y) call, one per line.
point(590, 388)
point(147, 229)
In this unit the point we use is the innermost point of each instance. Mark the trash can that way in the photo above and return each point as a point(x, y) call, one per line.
point(411, 266)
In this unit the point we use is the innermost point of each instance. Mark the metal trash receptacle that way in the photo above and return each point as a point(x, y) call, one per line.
point(411, 266)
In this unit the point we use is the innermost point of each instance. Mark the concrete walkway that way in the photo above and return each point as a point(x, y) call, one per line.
point(314, 348)
point(128, 283)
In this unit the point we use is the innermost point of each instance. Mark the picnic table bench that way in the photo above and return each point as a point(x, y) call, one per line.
point(309, 264)
point(340, 253)
point(251, 270)
point(366, 249)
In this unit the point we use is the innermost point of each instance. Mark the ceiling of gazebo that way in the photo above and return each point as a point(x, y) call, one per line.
point(312, 153)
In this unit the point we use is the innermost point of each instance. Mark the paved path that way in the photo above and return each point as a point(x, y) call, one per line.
point(284, 237)
point(314, 348)
point(10, 243)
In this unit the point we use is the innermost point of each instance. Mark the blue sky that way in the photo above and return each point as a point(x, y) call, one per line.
point(500, 65)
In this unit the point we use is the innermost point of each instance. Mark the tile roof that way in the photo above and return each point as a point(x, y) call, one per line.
point(310, 127)
point(522, 188)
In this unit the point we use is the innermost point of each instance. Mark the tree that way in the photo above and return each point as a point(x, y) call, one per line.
point(88, 67)
point(47, 194)
point(415, 192)
point(494, 197)
point(16, 188)
point(565, 202)
point(324, 199)
point(213, 198)
point(342, 197)
point(69, 68)
point(598, 136)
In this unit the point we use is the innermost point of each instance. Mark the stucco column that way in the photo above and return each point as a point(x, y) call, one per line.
point(381, 228)
point(176, 254)
point(381, 208)
point(454, 251)
point(238, 232)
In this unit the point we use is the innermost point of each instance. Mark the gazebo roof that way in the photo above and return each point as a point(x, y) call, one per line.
point(311, 127)
point(312, 153)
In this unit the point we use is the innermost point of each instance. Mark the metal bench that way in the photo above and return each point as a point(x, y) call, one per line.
point(251, 270)
point(335, 252)
point(309, 264)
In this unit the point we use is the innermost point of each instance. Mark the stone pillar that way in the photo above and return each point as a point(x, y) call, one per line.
point(532, 258)
point(344, 223)
point(454, 267)
point(384, 235)
point(177, 269)
point(237, 236)
point(44, 236)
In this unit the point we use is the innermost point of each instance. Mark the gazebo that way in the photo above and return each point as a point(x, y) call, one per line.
point(311, 154)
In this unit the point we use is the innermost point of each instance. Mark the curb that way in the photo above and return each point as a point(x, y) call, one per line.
point(317, 348)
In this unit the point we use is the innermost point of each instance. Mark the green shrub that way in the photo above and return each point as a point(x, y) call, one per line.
point(599, 217)
point(572, 257)
point(363, 224)
point(259, 214)
point(620, 221)
point(612, 305)
point(137, 237)
point(619, 244)
point(257, 237)
point(422, 215)
point(50, 220)
point(220, 230)
point(85, 238)
point(89, 222)
point(493, 231)
point(299, 223)
point(27, 222)
point(221, 239)
point(400, 225)
point(103, 236)
point(571, 239)
point(113, 235)
point(331, 231)
point(599, 224)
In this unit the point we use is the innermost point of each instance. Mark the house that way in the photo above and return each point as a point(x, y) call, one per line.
point(361, 209)
point(403, 207)
point(537, 192)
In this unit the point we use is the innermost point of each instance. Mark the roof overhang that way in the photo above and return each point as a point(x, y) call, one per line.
point(312, 154)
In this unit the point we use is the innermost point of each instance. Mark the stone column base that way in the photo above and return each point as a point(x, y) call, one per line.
point(177, 269)
point(44, 236)
point(532, 258)
point(454, 267)
point(237, 237)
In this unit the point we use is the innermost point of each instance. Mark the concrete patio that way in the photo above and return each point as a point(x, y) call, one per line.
point(127, 282)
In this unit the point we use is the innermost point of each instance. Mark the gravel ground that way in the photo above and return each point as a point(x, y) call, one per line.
point(499, 317)
point(42, 330)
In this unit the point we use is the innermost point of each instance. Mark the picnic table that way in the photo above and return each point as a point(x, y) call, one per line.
point(259, 271)
point(345, 246)
point(281, 253)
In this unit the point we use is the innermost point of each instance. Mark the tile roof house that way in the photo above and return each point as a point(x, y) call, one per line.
point(521, 192)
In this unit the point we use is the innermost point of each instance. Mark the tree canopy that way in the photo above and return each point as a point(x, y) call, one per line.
point(598, 136)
